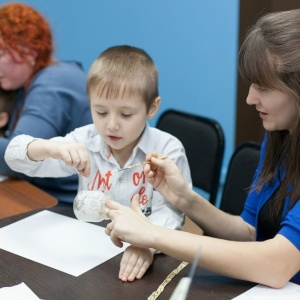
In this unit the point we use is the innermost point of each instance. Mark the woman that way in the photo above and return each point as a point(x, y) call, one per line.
point(262, 245)
point(51, 95)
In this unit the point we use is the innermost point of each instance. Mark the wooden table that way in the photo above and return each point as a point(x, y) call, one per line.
point(102, 281)
point(19, 196)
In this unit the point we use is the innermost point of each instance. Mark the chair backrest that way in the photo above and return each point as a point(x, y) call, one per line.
point(203, 140)
point(241, 169)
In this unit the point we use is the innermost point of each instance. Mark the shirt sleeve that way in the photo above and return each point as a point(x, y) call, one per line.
point(17, 159)
point(291, 226)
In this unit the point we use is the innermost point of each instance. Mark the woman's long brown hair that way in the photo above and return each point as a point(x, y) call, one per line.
point(270, 57)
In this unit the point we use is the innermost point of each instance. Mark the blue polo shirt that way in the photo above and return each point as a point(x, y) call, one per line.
point(290, 225)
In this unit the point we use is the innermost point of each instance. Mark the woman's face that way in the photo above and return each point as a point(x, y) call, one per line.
point(14, 69)
point(276, 108)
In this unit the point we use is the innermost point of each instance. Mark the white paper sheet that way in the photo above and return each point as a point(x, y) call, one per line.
point(20, 292)
point(290, 291)
point(59, 242)
point(2, 178)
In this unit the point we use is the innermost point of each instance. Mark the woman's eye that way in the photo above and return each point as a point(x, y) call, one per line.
point(262, 88)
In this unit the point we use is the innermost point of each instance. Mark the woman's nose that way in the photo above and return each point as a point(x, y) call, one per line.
point(252, 97)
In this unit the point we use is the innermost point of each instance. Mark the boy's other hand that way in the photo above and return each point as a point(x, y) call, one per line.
point(135, 262)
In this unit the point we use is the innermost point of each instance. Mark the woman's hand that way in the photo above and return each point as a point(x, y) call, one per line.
point(128, 224)
point(166, 178)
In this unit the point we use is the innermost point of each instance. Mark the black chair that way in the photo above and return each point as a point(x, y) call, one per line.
point(203, 140)
point(242, 166)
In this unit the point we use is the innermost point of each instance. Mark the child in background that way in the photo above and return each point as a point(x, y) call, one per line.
point(122, 86)
point(7, 101)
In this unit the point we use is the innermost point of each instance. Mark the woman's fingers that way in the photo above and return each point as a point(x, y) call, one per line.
point(111, 204)
point(127, 222)
point(109, 230)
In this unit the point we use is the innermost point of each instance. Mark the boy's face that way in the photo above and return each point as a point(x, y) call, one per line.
point(120, 122)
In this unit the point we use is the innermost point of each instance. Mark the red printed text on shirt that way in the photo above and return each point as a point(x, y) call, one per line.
point(138, 179)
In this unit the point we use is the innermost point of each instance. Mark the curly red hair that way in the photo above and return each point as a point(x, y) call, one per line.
point(23, 28)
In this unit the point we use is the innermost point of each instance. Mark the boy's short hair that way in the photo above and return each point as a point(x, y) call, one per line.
point(123, 71)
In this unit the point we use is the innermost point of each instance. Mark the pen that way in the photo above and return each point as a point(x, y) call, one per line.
point(182, 288)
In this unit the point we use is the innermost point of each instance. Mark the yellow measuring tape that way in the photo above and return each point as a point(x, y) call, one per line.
point(160, 289)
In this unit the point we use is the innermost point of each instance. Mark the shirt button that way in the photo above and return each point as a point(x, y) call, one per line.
point(121, 180)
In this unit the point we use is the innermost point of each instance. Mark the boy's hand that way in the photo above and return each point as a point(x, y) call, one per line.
point(135, 262)
point(73, 154)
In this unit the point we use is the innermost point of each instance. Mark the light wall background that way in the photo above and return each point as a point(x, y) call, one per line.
point(193, 43)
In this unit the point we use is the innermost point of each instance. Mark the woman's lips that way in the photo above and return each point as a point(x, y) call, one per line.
point(262, 114)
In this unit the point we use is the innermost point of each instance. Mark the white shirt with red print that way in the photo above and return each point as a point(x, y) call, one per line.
point(122, 185)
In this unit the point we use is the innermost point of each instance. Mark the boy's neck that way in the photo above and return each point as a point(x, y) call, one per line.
point(121, 156)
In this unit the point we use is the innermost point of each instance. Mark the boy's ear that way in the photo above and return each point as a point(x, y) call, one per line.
point(3, 119)
point(154, 108)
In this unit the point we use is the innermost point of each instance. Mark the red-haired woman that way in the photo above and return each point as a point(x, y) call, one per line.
point(51, 95)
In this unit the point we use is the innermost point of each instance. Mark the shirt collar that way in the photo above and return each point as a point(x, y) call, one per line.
point(96, 144)
point(146, 142)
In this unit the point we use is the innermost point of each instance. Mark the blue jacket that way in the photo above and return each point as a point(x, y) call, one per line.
point(290, 226)
point(54, 105)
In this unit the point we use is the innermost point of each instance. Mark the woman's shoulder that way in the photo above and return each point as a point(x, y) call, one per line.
point(66, 66)
point(61, 71)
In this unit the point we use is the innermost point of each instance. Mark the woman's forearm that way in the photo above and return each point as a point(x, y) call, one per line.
point(261, 262)
point(210, 219)
point(272, 262)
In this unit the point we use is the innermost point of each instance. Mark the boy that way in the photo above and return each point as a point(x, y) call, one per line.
point(7, 101)
point(122, 87)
